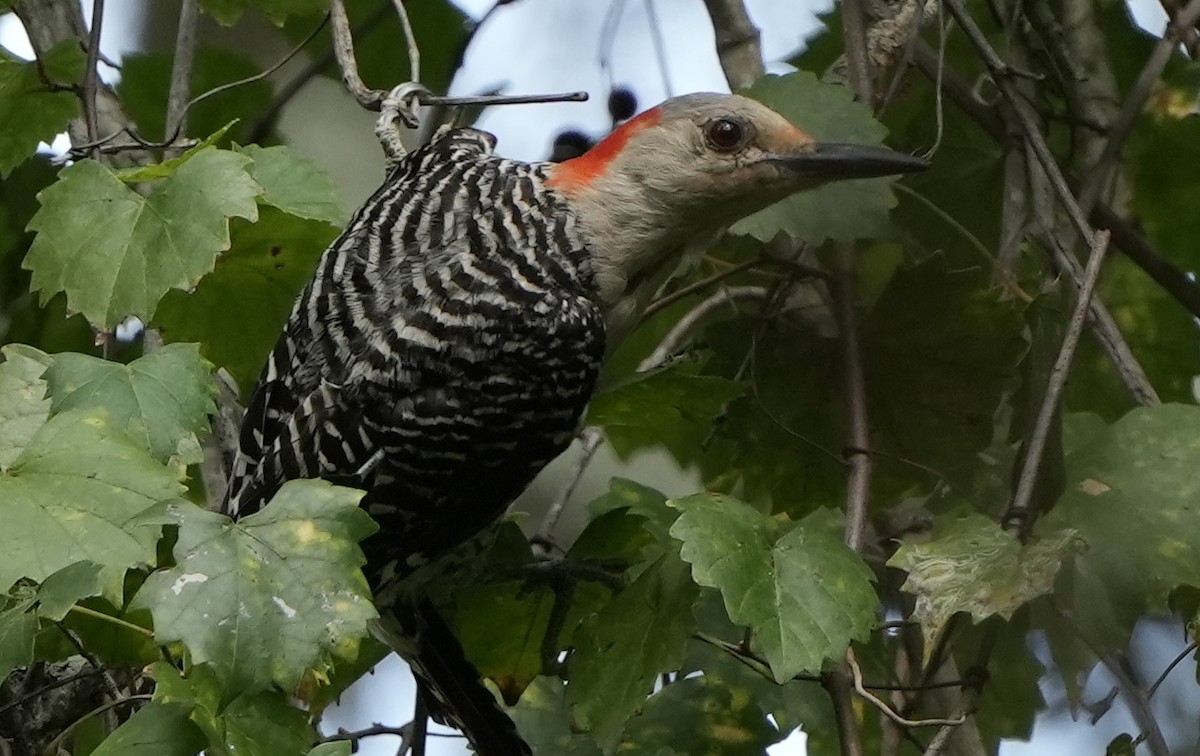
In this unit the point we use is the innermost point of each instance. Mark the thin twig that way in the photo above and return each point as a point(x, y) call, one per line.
point(1187, 650)
point(367, 732)
point(888, 712)
point(858, 58)
point(1122, 126)
point(660, 48)
point(181, 70)
point(1018, 516)
point(590, 439)
point(858, 483)
point(420, 726)
point(78, 609)
point(49, 687)
point(737, 39)
point(410, 40)
point(664, 302)
point(670, 342)
point(92, 74)
point(61, 737)
point(1131, 372)
point(837, 684)
point(1125, 237)
point(343, 50)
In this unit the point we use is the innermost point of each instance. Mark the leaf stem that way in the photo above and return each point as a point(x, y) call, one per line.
point(114, 620)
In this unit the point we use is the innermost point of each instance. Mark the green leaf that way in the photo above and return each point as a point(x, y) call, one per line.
point(671, 407)
point(255, 724)
point(18, 628)
point(295, 184)
point(544, 721)
point(973, 565)
point(622, 649)
point(1133, 497)
point(700, 715)
point(74, 494)
point(238, 310)
point(32, 112)
point(843, 211)
point(158, 729)
point(501, 627)
point(935, 383)
point(227, 12)
point(60, 591)
point(163, 399)
point(336, 748)
point(270, 596)
point(23, 403)
point(115, 253)
point(265, 724)
point(798, 587)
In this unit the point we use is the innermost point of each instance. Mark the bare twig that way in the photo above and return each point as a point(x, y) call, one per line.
point(858, 482)
point(1018, 516)
point(660, 48)
point(670, 342)
point(61, 737)
point(1187, 651)
point(1126, 238)
point(888, 712)
point(91, 73)
point(410, 40)
point(343, 49)
point(858, 58)
point(737, 42)
point(181, 70)
point(837, 684)
point(666, 301)
point(1119, 130)
point(49, 687)
point(590, 439)
point(1131, 372)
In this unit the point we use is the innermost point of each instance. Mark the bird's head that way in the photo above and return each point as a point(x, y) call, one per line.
point(681, 171)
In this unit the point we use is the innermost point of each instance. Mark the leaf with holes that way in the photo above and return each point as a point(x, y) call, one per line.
point(238, 310)
point(797, 586)
point(74, 493)
point(116, 253)
point(163, 399)
point(973, 565)
point(266, 598)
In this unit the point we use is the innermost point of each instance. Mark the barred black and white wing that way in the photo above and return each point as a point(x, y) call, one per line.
point(440, 357)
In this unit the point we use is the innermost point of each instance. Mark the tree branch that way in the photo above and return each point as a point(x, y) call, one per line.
point(737, 39)
point(1018, 517)
point(1105, 328)
point(181, 72)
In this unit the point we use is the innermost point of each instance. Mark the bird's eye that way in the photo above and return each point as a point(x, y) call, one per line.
point(725, 134)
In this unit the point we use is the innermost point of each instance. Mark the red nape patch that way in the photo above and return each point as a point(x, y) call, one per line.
point(576, 173)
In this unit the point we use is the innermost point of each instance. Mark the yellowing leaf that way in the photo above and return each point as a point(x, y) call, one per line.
point(266, 598)
point(973, 565)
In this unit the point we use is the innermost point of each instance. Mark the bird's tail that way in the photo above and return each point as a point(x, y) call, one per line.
point(450, 684)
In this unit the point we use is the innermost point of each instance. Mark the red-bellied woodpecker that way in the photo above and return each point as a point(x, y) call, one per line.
point(447, 345)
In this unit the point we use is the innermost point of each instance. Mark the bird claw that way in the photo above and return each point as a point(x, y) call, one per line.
point(399, 105)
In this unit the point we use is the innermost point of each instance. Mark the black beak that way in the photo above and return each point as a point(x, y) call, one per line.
point(850, 161)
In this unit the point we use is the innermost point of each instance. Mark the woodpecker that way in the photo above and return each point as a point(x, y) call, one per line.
point(448, 342)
